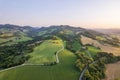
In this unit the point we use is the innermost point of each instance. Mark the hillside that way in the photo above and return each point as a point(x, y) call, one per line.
point(13, 33)
point(60, 52)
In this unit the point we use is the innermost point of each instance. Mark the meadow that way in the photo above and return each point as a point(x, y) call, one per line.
point(93, 50)
point(45, 53)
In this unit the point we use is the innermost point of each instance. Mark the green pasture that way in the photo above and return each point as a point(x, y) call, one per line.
point(45, 52)
point(65, 70)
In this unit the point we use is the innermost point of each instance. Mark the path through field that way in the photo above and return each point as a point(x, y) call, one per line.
point(57, 61)
point(57, 58)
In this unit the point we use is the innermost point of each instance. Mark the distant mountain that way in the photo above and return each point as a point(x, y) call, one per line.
point(63, 31)
point(14, 27)
point(108, 31)
point(8, 28)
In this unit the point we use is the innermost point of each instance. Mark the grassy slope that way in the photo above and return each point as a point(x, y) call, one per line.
point(93, 50)
point(45, 52)
point(22, 36)
point(65, 70)
point(14, 41)
point(20, 40)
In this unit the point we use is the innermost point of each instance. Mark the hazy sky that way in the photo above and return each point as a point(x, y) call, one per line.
point(83, 13)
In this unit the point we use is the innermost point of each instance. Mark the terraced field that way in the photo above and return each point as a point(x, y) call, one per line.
point(65, 70)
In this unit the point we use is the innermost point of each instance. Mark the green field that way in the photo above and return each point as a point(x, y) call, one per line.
point(93, 50)
point(65, 70)
point(45, 52)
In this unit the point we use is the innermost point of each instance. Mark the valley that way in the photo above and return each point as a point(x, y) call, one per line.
point(56, 53)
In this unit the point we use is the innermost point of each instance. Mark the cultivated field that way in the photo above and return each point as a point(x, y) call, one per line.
point(113, 71)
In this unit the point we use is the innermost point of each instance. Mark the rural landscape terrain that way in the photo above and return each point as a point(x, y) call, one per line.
point(58, 52)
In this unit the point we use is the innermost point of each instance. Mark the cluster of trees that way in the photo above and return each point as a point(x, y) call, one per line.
point(112, 42)
point(70, 44)
point(107, 57)
point(94, 71)
point(14, 55)
point(96, 66)
point(11, 56)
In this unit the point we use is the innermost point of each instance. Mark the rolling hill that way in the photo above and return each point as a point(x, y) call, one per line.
point(54, 53)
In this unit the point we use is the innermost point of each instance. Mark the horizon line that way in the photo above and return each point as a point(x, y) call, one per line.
point(55, 25)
